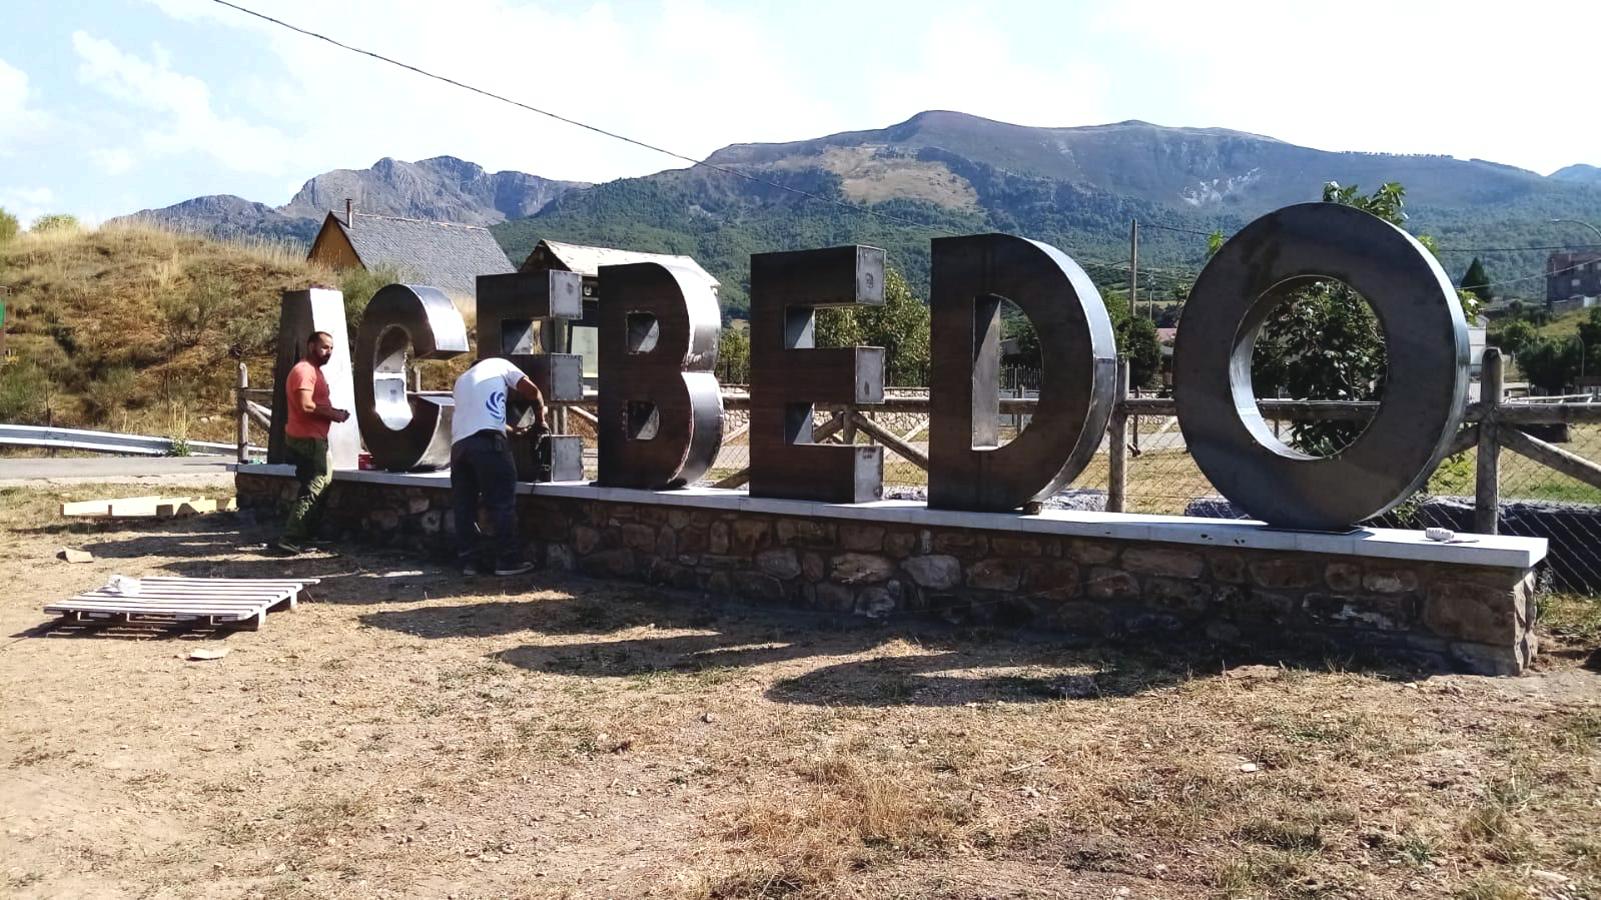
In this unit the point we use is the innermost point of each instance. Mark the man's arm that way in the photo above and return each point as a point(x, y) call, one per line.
point(308, 406)
point(529, 391)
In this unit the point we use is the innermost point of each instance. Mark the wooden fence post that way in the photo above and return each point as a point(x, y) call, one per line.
point(242, 409)
point(1134, 427)
point(1117, 443)
point(1487, 487)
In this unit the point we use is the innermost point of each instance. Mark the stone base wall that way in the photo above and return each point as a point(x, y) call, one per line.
point(1473, 618)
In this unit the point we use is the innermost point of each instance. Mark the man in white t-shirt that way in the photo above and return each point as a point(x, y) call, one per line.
point(481, 463)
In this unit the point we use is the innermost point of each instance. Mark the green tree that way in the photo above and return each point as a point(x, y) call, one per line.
point(1137, 342)
point(1476, 283)
point(8, 226)
point(1552, 365)
point(55, 222)
point(1136, 336)
point(1515, 337)
point(1590, 332)
point(733, 355)
point(900, 326)
point(1324, 341)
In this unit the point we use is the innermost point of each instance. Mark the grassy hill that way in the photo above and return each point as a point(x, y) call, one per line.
point(137, 329)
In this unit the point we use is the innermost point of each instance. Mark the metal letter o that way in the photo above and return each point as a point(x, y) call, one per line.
point(1425, 341)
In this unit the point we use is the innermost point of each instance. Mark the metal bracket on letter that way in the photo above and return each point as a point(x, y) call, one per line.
point(512, 308)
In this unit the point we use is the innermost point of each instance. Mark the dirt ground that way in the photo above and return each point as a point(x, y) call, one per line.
point(416, 734)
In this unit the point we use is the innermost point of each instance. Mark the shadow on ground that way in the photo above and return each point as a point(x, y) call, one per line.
point(113, 630)
point(853, 662)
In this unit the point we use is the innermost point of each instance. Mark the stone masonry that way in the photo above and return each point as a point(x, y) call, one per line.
point(1477, 619)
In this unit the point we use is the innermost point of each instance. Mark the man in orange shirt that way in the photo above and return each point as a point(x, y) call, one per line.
point(306, 439)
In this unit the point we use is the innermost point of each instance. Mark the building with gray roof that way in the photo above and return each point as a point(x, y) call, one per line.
point(444, 255)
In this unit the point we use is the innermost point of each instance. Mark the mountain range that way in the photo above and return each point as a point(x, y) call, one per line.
point(442, 189)
point(945, 172)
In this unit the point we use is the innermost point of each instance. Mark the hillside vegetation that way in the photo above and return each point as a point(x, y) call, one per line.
point(946, 173)
point(138, 329)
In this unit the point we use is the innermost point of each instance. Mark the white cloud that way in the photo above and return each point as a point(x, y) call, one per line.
point(964, 62)
point(20, 122)
point(1469, 78)
point(27, 203)
point(185, 121)
point(684, 75)
point(112, 160)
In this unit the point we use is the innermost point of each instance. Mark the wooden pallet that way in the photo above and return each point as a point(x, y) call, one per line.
point(241, 602)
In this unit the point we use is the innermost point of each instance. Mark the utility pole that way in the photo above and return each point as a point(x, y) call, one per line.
point(1134, 267)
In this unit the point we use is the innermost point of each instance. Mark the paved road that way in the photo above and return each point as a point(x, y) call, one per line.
point(19, 470)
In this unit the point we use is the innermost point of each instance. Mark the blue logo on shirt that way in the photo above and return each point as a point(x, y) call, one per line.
point(496, 404)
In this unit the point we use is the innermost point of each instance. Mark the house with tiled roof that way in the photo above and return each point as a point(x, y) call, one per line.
point(445, 255)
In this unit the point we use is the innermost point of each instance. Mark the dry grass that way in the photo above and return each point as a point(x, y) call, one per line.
point(138, 329)
point(866, 177)
point(415, 734)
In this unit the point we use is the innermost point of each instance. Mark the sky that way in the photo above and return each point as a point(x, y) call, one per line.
point(111, 106)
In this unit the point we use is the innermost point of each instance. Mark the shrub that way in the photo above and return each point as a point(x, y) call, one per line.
point(24, 393)
point(358, 286)
point(111, 392)
point(186, 317)
point(55, 222)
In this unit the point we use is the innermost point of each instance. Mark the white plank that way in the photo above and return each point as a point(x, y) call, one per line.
point(181, 601)
point(160, 591)
point(100, 507)
point(156, 603)
point(283, 581)
point(230, 614)
point(157, 593)
point(141, 508)
point(170, 601)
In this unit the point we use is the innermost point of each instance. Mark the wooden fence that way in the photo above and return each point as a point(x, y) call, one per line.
point(1490, 424)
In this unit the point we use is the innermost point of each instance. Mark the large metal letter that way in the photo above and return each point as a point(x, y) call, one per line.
point(302, 314)
point(1425, 341)
point(661, 413)
point(788, 376)
point(511, 308)
point(967, 467)
point(405, 431)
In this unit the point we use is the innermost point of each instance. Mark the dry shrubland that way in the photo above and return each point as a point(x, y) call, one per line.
point(134, 328)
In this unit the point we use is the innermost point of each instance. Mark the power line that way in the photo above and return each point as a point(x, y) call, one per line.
point(1540, 275)
point(852, 207)
point(1205, 234)
point(1517, 249)
point(594, 128)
